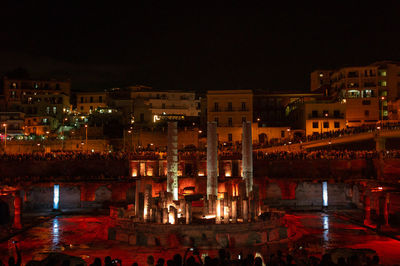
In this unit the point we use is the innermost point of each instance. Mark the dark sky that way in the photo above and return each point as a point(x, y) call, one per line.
point(173, 45)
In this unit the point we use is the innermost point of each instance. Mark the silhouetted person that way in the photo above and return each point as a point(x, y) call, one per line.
point(258, 261)
point(96, 262)
point(150, 260)
point(342, 262)
point(107, 261)
point(11, 260)
point(289, 260)
point(375, 260)
point(326, 260)
point(160, 262)
point(178, 259)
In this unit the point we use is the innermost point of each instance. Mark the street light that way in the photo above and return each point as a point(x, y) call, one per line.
point(5, 138)
point(130, 145)
point(382, 99)
point(62, 134)
point(86, 127)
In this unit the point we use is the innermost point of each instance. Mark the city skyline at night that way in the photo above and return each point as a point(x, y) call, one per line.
point(193, 133)
point(188, 46)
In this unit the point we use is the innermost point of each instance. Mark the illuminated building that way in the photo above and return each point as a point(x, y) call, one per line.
point(14, 121)
point(150, 105)
point(229, 108)
point(319, 116)
point(88, 102)
point(17, 91)
point(367, 89)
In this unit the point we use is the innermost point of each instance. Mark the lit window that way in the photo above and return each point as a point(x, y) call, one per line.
point(382, 73)
point(382, 83)
point(54, 110)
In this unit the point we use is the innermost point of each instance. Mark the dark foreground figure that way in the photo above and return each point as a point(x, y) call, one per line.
point(192, 258)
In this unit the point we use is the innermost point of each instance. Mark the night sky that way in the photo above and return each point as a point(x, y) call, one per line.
point(171, 45)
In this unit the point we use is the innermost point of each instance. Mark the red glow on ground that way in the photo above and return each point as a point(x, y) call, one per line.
point(86, 237)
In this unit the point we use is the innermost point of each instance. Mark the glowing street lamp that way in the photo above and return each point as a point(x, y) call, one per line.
point(5, 137)
point(86, 127)
point(382, 99)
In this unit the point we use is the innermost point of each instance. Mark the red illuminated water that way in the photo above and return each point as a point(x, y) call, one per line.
point(86, 237)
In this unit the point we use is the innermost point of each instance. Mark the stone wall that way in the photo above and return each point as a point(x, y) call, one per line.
point(83, 168)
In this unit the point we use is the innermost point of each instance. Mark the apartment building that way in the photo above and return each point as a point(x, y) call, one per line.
point(317, 117)
point(367, 89)
point(229, 108)
point(88, 102)
point(152, 105)
point(16, 91)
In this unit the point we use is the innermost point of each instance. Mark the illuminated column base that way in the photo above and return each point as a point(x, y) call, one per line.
point(234, 211)
point(188, 212)
point(245, 211)
point(172, 159)
point(247, 157)
point(325, 194)
point(56, 197)
point(218, 212)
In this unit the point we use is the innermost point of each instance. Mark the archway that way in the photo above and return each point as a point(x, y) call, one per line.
point(262, 138)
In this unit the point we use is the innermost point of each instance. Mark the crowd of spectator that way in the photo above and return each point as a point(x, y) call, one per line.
point(319, 155)
point(332, 154)
point(332, 134)
point(193, 258)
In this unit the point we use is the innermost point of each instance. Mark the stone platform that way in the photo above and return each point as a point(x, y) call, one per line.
point(199, 235)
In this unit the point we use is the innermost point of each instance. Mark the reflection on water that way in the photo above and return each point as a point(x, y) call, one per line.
point(55, 234)
point(325, 225)
point(86, 237)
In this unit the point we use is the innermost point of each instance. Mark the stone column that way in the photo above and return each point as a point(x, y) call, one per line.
point(386, 210)
point(212, 160)
point(226, 214)
point(188, 212)
point(137, 191)
point(247, 156)
point(234, 211)
point(367, 210)
point(174, 213)
point(147, 203)
point(17, 211)
point(172, 159)
point(165, 216)
point(218, 212)
point(245, 211)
